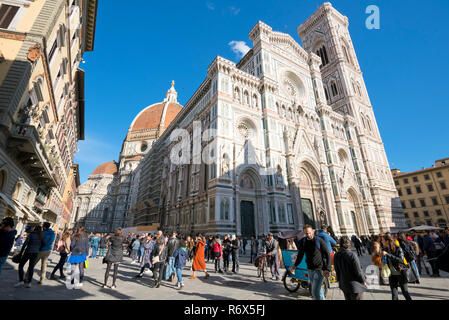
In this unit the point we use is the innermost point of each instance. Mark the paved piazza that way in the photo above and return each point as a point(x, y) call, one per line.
point(244, 286)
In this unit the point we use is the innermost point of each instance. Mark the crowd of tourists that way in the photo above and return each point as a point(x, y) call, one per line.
point(400, 258)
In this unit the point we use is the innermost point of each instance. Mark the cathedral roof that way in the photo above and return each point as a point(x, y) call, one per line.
point(164, 112)
point(106, 168)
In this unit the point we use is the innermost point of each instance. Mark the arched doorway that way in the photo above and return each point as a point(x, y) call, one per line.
point(354, 210)
point(311, 196)
point(247, 219)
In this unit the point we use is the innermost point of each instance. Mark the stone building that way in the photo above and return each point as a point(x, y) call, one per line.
point(104, 201)
point(285, 137)
point(425, 194)
point(42, 43)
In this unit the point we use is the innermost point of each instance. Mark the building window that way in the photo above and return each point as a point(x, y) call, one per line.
point(447, 199)
point(406, 181)
point(403, 205)
point(409, 191)
point(396, 182)
point(415, 214)
point(400, 192)
point(430, 187)
point(334, 89)
point(412, 203)
point(415, 179)
point(426, 213)
point(406, 215)
point(438, 212)
point(423, 202)
point(7, 14)
point(326, 94)
point(435, 201)
point(418, 189)
point(426, 177)
point(439, 174)
point(443, 185)
point(322, 53)
point(429, 222)
point(51, 54)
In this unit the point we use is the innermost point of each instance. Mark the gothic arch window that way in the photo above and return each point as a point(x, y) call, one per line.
point(368, 122)
point(326, 93)
point(363, 121)
point(16, 192)
point(224, 209)
point(246, 97)
point(237, 94)
point(334, 89)
point(283, 111)
point(322, 53)
point(255, 103)
point(289, 114)
point(345, 52)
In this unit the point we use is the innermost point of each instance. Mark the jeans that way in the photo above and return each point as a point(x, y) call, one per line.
point(60, 265)
point(2, 262)
point(141, 251)
point(235, 261)
point(170, 269)
point(179, 274)
point(252, 256)
point(316, 281)
point(399, 281)
point(94, 252)
point(101, 252)
point(134, 254)
point(226, 261)
point(415, 269)
point(32, 257)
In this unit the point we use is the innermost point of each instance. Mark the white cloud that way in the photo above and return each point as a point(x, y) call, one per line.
point(235, 11)
point(239, 48)
point(210, 6)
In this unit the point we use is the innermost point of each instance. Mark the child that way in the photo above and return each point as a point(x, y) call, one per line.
point(218, 254)
point(180, 256)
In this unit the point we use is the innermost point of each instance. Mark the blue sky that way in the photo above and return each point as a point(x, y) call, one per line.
point(141, 48)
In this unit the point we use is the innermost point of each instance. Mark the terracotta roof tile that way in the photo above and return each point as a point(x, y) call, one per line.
point(106, 168)
point(150, 118)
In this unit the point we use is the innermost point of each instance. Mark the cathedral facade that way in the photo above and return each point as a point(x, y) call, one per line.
point(285, 137)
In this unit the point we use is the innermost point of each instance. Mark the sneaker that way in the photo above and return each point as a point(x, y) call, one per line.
point(28, 285)
point(273, 278)
point(178, 285)
point(78, 286)
point(19, 284)
point(182, 284)
point(62, 277)
point(52, 277)
point(113, 286)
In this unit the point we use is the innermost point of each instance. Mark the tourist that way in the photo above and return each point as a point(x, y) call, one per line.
point(148, 245)
point(398, 273)
point(271, 249)
point(227, 249)
point(172, 245)
point(80, 250)
point(446, 237)
point(330, 242)
point(235, 245)
point(430, 252)
point(410, 256)
point(63, 247)
point(254, 248)
point(420, 258)
point(141, 248)
point(350, 277)
point(7, 235)
point(113, 257)
point(376, 256)
point(318, 261)
point(30, 252)
point(45, 250)
point(357, 245)
point(102, 245)
point(218, 254)
point(135, 250)
point(94, 243)
point(198, 260)
point(159, 260)
point(209, 250)
point(245, 243)
point(180, 255)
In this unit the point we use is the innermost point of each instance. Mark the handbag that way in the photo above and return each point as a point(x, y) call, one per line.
point(385, 272)
point(155, 260)
point(86, 264)
point(16, 258)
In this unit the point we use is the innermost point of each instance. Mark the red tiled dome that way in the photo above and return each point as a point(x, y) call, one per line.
point(150, 117)
point(106, 168)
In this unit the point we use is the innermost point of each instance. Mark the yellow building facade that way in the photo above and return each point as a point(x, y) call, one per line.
point(42, 43)
point(425, 194)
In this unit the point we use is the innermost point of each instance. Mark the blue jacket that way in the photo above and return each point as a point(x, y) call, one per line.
point(327, 239)
point(49, 238)
point(95, 241)
point(428, 244)
point(180, 256)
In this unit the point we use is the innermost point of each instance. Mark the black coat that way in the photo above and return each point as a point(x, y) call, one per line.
point(115, 252)
point(349, 272)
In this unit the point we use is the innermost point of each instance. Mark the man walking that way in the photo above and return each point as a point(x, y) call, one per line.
point(226, 252)
point(254, 248)
point(317, 259)
point(271, 249)
point(357, 245)
point(45, 250)
point(350, 277)
point(172, 245)
point(7, 235)
point(235, 244)
point(431, 252)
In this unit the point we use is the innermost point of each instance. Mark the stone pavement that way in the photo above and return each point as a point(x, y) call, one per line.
point(244, 286)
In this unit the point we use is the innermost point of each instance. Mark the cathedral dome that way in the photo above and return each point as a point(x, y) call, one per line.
point(159, 113)
point(106, 168)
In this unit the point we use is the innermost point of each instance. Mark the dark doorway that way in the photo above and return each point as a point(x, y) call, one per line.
point(307, 211)
point(247, 219)
point(354, 221)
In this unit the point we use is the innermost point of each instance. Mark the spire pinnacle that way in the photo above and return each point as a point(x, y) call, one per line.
point(172, 95)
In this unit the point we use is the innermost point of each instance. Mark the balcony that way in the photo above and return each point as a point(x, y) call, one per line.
point(24, 141)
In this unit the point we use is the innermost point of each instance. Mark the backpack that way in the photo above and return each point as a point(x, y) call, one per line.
point(60, 247)
point(409, 254)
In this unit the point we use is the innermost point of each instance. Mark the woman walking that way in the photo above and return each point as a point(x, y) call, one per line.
point(199, 264)
point(395, 261)
point(29, 252)
point(80, 250)
point(113, 257)
point(159, 258)
point(148, 246)
point(180, 256)
point(63, 247)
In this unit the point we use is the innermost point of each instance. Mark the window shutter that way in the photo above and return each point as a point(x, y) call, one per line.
point(38, 91)
point(7, 14)
point(64, 66)
point(33, 97)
